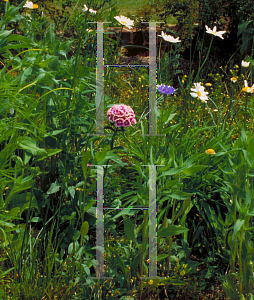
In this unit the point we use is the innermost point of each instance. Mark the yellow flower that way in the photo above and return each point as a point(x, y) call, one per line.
point(234, 79)
point(184, 266)
point(150, 282)
point(210, 151)
point(182, 273)
point(208, 84)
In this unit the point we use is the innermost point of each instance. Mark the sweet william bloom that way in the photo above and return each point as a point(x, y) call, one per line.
point(245, 64)
point(247, 89)
point(125, 21)
point(91, 10)
point(199, 92)
point(214, 32)
point(122, 115)
point(169, 38)
point(30, 4)
point(165, 89)
point(210, 151)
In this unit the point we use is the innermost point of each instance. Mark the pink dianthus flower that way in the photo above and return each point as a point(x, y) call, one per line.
point(122, 115)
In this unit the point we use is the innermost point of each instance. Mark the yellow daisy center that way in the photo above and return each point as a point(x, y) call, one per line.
point(123, 22)
point(35, 6)
point(199, 93)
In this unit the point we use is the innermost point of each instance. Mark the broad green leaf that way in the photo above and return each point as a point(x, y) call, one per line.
point(7, 224)
point(5, 33)
point(19, 38)
point(49, 152)
point(54, 132)
point(20, 185)
point(123, 212)
point(171, 230)
point(180, 195)
point(193, 169)
point(53, 188)
point(129, 229)
point(161, 257)
point(99, 156)
point(172, 171)
point(113, 157)
point(28, 144)
point(237, 227)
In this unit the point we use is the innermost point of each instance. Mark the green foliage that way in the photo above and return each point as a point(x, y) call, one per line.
point(48, 157)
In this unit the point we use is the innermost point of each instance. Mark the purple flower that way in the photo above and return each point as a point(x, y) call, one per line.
point(122, 115)
point(165, 89)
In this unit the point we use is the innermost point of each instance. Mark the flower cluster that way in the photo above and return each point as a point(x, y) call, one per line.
point(122, 115)
point(165, 89)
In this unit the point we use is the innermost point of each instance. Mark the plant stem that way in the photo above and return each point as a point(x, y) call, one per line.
point(142, 251)
point(171, 239)
point(245, 111)
point(197, 77)
point(111, 148)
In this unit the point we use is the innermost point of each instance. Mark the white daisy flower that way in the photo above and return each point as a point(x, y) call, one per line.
point(91, 10)
point(125, 21)
point(245, 64)
point(199, 92)
point(29, 4)
point(214, 32)
point(169, 38)
point(247, 89)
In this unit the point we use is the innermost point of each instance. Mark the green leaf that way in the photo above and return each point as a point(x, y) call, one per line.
point(180, 195)
point(172, 171)
point(84, 229)
point(99, 156)
point(53, 188)
point(171, 230)
point(193, 169)
point(28, 144)
point(161, 257)
point(36, 219)
point(185, 205)
point(113, 157)
point(5, 33)
point(7, 224)
point(238, 225)
point(19, 38)
point(49, 152)
point(129, 230)
point(54, 132)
